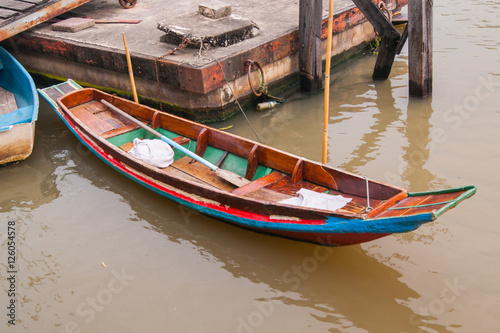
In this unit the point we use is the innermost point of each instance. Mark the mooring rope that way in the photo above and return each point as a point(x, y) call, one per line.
point(201, 60)
point(368, 207)
point(199, 56)
point(235, 98)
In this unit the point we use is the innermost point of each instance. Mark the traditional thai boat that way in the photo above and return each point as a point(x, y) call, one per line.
point(242, 182)
point(18, 110)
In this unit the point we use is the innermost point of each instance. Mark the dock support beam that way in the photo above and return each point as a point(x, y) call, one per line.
point(420, 47)
point(310, 60)
point(390, 37)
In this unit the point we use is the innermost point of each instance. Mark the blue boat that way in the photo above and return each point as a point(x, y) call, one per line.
point(18, 110)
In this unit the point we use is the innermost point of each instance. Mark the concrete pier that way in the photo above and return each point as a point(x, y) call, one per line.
point(190, 82)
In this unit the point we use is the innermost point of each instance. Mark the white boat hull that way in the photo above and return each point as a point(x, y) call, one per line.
point(16, 144)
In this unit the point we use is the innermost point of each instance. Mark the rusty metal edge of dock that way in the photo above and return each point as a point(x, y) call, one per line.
point(198, 80)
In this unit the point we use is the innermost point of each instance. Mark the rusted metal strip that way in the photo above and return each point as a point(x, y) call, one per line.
point(36, 15)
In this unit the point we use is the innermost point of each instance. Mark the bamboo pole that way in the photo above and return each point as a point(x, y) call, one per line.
point(327, 82)
point(130, 71)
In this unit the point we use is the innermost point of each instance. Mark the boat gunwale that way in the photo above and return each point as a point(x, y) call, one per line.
point(274, 219)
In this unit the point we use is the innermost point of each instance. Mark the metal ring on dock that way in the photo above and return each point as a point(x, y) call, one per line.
point(127, 3)
point(249, 64)
point(383, 8)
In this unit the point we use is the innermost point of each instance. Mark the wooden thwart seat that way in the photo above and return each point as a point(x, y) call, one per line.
point(267, 195)
point(118, 131)
point(104, 122)
point(259, 183)
point(253, 162)
point(201, 173)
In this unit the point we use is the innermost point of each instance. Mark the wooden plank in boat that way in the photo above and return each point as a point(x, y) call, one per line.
point(277, 186)
point(93, 106)
point(59, 90)
point(104, 122)
point(418, 204)
point(127, 146)
point(172, 171)
point(201, 172)
point(268, 195)
point(118, 131)
point(352, 207)
point(89, 119)
point(286, 186)
point(7, 102)
point(112, 119)
point(259, 183)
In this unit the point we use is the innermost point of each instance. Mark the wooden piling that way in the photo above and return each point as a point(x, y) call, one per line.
point(386, 54)
point(420, 47)
point(390, 37)
point(310, 60)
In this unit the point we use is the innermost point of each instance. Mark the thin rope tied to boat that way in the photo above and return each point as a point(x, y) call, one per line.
point(235, 98)
point(200, 58)
point(368, 207)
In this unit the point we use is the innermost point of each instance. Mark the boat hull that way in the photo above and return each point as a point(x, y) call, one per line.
point(312, 231)
point(16, 144)
point(397, 212)
point(19, 110)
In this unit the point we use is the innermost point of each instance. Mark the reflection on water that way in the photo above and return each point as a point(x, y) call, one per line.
point(80, 223)
point(420, 146)
point(99, 253)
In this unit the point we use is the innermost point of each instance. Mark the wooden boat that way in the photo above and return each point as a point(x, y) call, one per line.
point(270, 175)
point(18, 110)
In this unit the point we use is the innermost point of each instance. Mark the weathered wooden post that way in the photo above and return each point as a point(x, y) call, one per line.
point(310, 60)
point(420, 47)
point(390, 37)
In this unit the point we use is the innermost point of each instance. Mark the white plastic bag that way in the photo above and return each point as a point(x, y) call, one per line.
point(311, 199)
point(155, 152)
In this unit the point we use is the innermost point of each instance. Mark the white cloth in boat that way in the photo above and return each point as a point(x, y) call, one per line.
point(311, 199)
point(155, 152)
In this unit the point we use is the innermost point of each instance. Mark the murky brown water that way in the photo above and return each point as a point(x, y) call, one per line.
point(98, 253)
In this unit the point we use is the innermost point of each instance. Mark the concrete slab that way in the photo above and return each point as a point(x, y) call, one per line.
point(190, 82)
point(73, 24)
point(196, 28)
point(214, 9)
